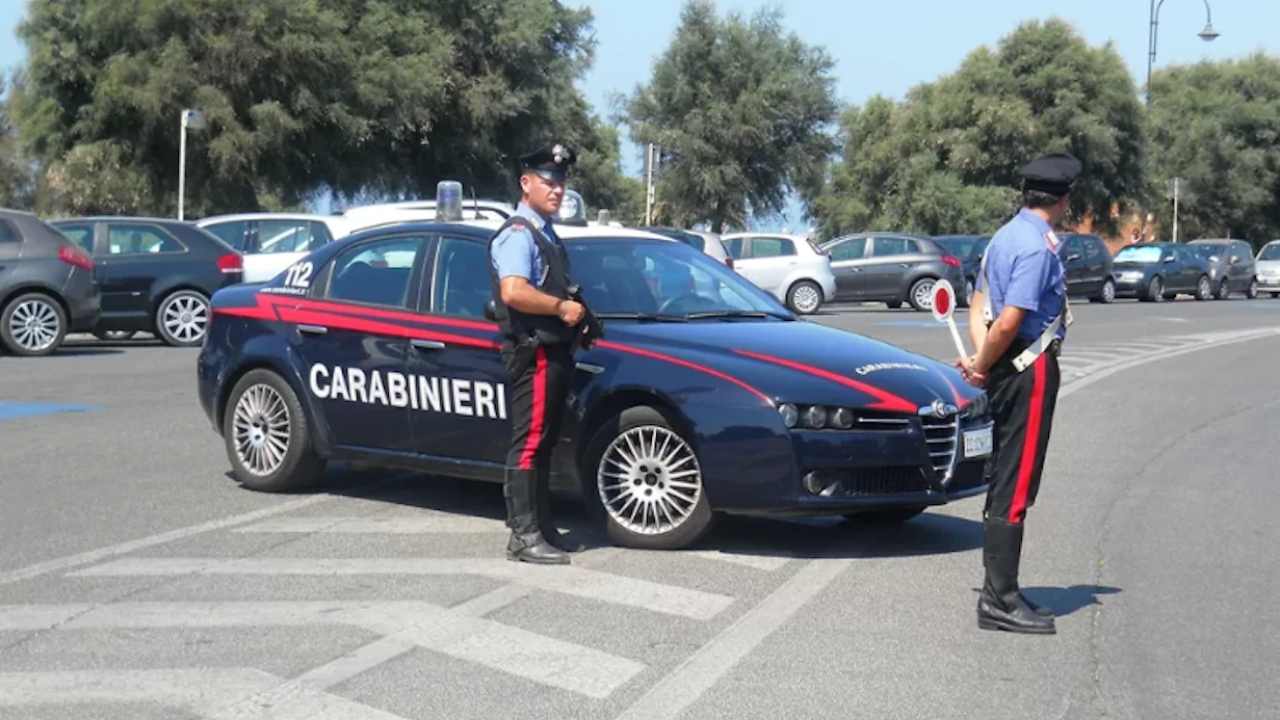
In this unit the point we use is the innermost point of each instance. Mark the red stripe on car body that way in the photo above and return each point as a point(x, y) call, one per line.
point(631, 350)
point(885, 400)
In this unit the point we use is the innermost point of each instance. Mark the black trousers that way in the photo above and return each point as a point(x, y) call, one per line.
point(1022, 404)
point(539, 377)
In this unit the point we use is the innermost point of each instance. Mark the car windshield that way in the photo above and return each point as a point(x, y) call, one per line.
point(1270, 252)
point(654, 280)
point(1139, 255)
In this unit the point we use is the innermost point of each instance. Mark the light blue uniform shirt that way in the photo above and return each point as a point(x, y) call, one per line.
point(1023, 270)
point(515, 253)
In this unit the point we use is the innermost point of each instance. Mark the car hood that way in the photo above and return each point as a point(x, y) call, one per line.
point(1270, 266)
point(804, 362)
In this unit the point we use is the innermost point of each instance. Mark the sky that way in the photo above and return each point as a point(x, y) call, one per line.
point(887, 47)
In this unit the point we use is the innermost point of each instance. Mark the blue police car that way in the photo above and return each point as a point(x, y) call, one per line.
point(706, 394)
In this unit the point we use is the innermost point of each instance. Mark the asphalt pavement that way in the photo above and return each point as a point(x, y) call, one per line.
point(139, 581)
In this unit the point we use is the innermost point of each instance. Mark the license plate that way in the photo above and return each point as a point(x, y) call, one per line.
point(977, 443)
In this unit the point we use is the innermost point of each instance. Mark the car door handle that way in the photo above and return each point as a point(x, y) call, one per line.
point(427, 344)
point(589, 368)
point(312, 329)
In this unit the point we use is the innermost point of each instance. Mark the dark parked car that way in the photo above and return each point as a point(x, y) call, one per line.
point(1231, 266)
point(1156, 272)
point(891, 268)
point(969, 248)
point(1087, 262)
point(156, 275)
point(46, 286)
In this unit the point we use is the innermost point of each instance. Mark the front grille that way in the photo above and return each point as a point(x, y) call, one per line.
point(940, 437)
point(861, 482)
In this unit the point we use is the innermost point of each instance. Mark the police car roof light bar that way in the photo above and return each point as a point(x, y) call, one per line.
point(449, 201)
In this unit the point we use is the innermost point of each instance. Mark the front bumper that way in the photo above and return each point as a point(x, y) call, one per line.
point(1269, 282)
point(1126, 287)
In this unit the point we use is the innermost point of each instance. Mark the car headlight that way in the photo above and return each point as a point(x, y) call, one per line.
point(842, 418)
point(790, 414)
point(815, 416)
point(979, 407)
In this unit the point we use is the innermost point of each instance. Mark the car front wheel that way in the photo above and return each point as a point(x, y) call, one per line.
point(1252, 291)
point(183, 318)
point(921, 295)
point(1155, 291)
point(266, 435)
point(804, 297)
point(1204, 289)
point(32, 325)
point(1223, 291)
point(647, 480)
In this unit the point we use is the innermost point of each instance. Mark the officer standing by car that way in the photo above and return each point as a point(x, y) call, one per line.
point(540, 327)
point(1023, 293)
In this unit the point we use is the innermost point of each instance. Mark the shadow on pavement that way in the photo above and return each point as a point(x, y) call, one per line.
point(1066, 600)
point(83, 350)
point(927, 534)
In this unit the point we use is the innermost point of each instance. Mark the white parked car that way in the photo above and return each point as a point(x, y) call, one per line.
point(707, 242)
point(271, 242)
point(364, 217)
point(791, 267)
point(1268, 268)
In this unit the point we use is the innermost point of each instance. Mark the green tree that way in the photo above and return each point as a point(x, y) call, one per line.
point(15, 172)
point(363, 97)
point(1217, 127)
point(947, 158)
point(741, 110)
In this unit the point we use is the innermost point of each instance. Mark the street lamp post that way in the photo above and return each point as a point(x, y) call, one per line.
point(1208, 34)
point(194, 120)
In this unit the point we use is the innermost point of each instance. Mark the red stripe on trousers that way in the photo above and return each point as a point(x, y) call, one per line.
point(539, 411)
point(1030, 444)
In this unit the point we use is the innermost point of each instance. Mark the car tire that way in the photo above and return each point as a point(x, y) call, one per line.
point(182, 318)
point(1223, 291)
point(267, 437)
point(887, 516)
point(1107, 294)
point(921, 294)
point(1155, 291)
point(114, 335)
point(968, 294)
point(33, 325)
point(804, 297)
point(1251, 292)
point(893, 304)
point(1204, 289)
point(617, 485)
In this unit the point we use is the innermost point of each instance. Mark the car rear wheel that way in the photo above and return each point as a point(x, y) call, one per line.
point(32, 325)
point(922, 294)
point(1252, 291)
point(968, 294)
point(1204, 288)
point(1107, 294)
point(1223, 291)
point(183, 318)
point(646, 478)
point(804, 297)
point(1155, 291)
point(888, 516)
point(266, 435)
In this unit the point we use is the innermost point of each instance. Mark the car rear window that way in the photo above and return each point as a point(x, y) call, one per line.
point(768, 247)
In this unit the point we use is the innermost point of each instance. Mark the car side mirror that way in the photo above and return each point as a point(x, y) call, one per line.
point(491, 311)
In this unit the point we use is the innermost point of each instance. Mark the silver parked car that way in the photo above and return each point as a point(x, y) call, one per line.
point(1268, 268)
point(892, 268)
point(1231, 266)
point(707, 242)
point(791, 267)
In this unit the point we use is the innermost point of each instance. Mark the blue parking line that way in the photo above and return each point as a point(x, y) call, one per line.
point(13, 411)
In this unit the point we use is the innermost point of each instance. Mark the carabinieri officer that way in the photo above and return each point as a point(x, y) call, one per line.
point(539, 323)
point(1018, 337)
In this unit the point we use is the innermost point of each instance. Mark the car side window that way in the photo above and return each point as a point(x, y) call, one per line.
point(7, 233)
point(231, 233)
point(734, 246)
point(851, 249)
point(131, 239)
point(887, 246)
point(1092, 248)
point(81, 235)
point(320, 234)
point(285, 236)
point(377, 273)
point(767, 247)
point(460, 281)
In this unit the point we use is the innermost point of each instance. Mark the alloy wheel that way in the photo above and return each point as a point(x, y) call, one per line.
point(34, 325)
point(186, 318)
point(806, 298)
point(261, 427)
point(923, 294)
point(649, 480)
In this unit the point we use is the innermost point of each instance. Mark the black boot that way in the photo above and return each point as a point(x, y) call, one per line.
point(526, 543)
point(546, 526)
point(1001, 605)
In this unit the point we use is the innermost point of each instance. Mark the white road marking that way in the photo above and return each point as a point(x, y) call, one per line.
point(511, 650)
point(759, 562)
point(92, 556)
point(211, 693)
point(688, 681)
point(569, 580)
point(393, 525)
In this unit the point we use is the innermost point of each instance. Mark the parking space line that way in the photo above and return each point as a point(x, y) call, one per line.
point(561, 664)
point(688, 681)
point(576, 581)
point(394, 525)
